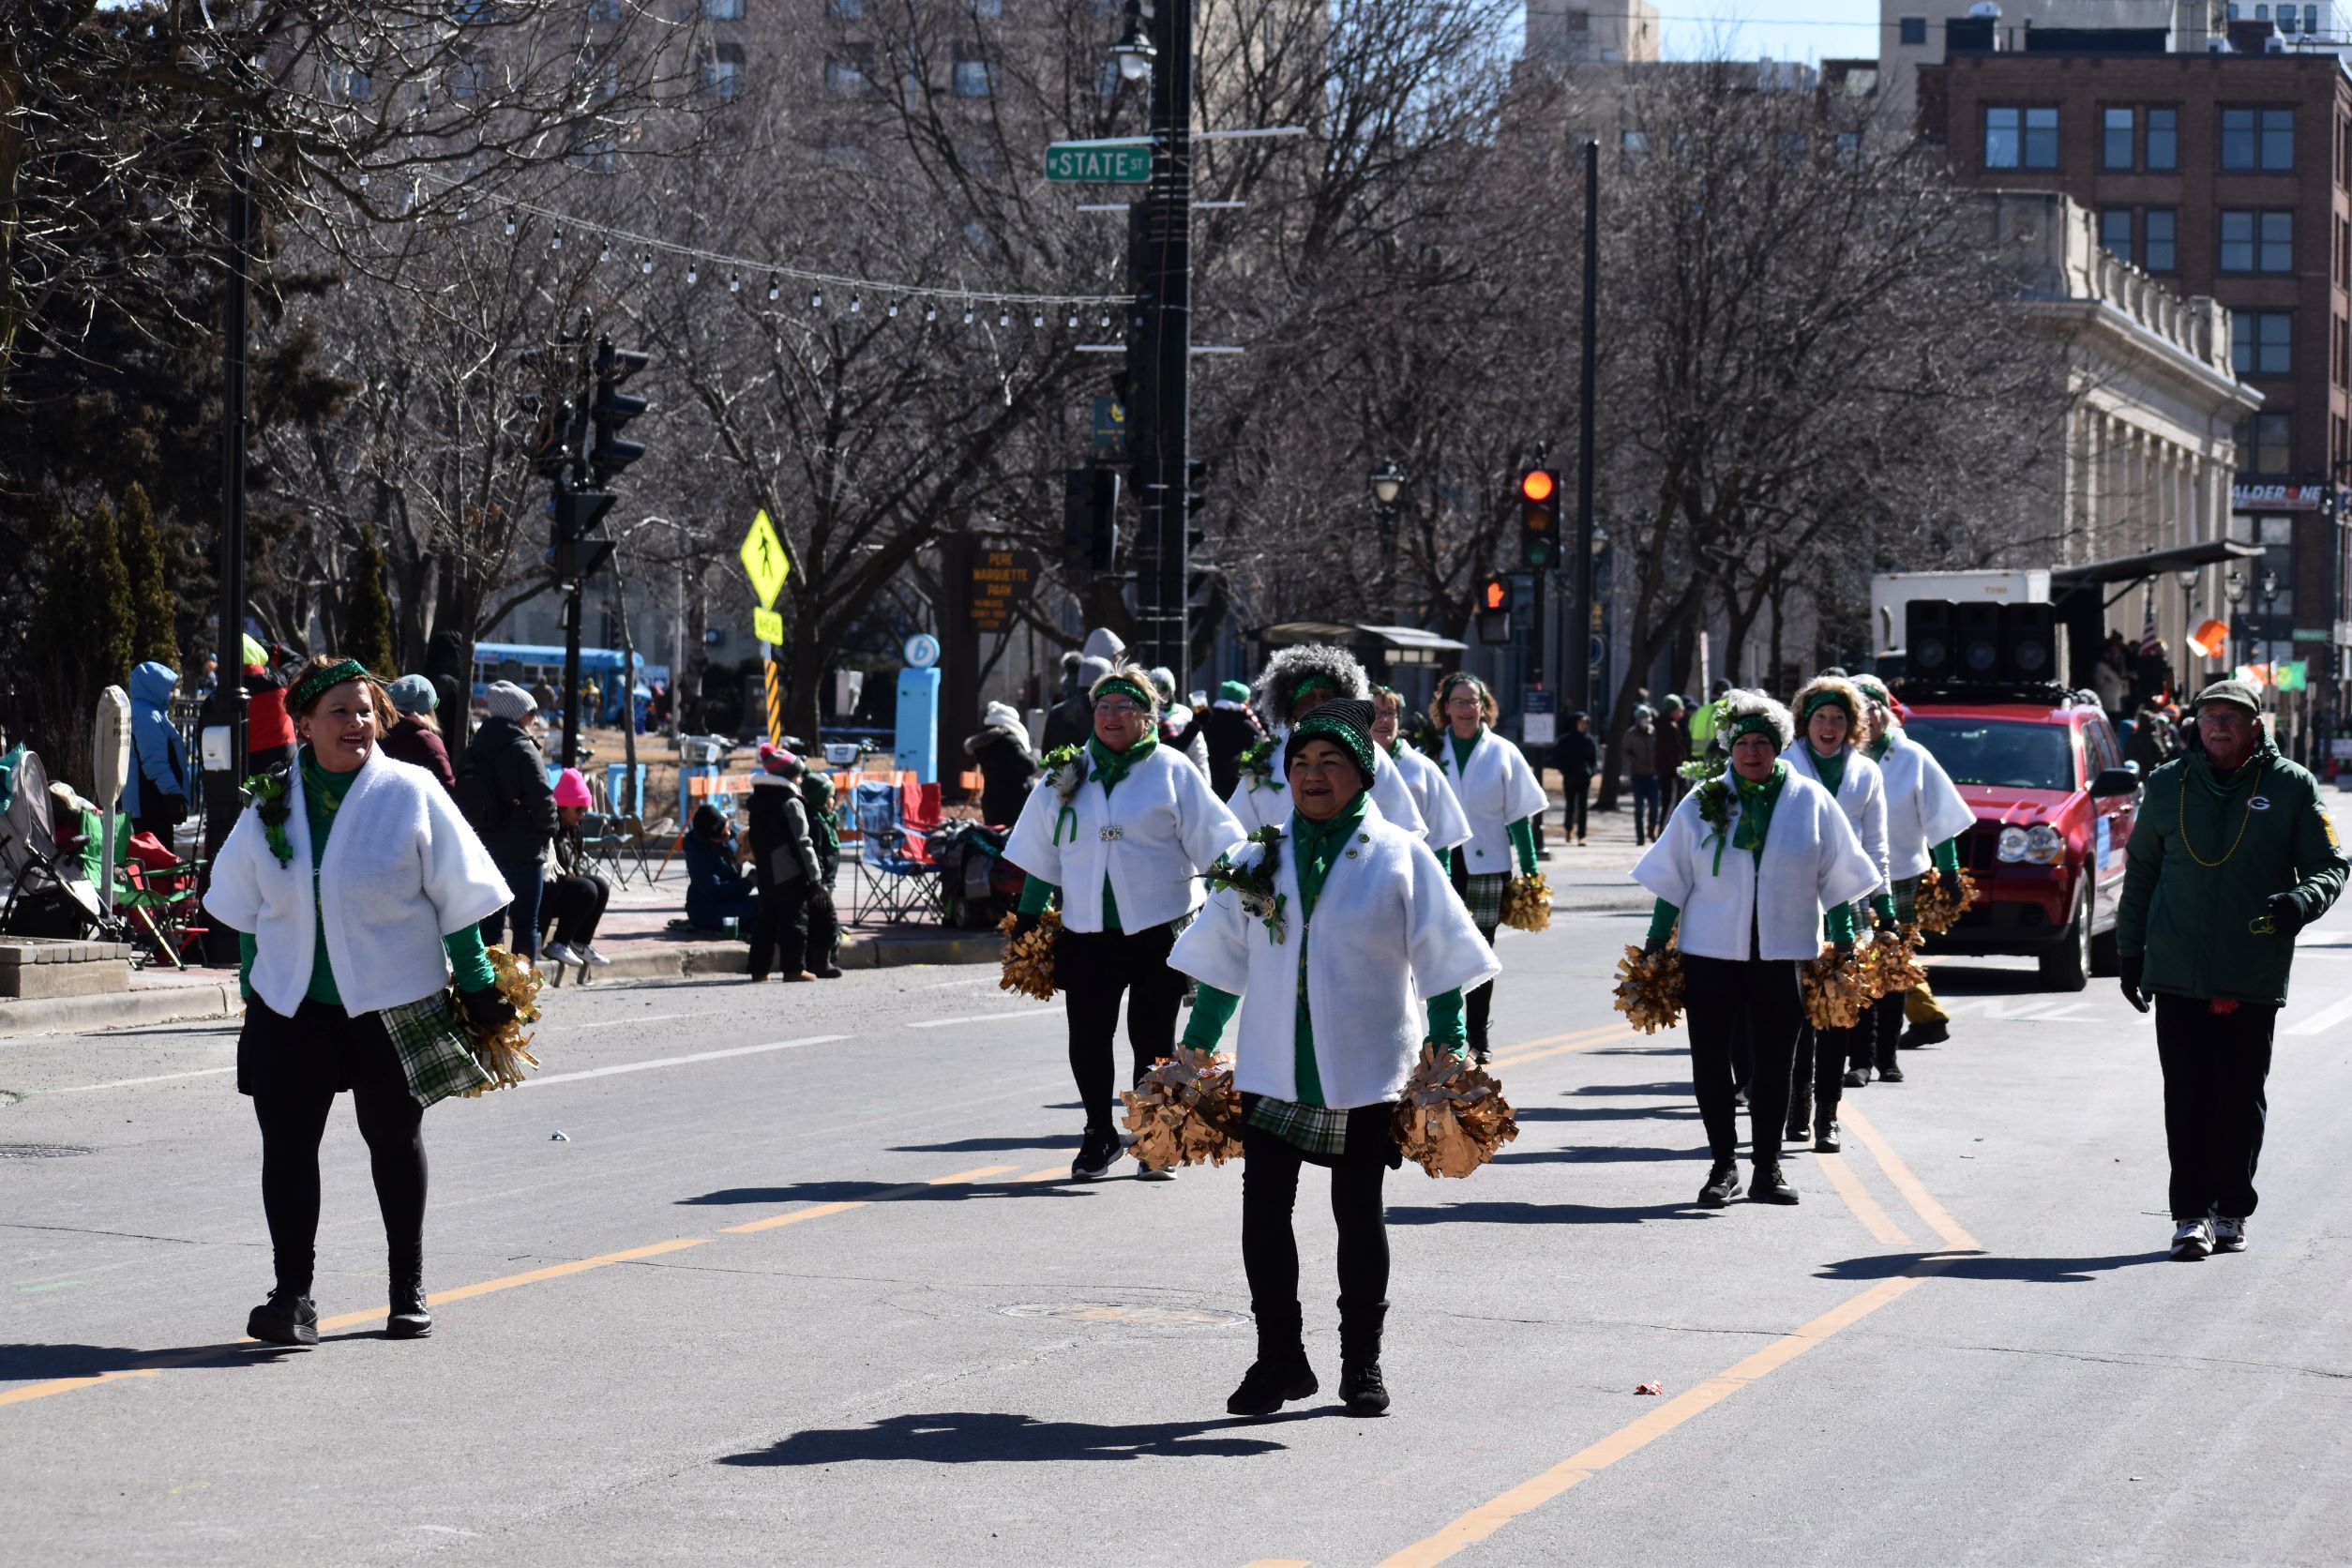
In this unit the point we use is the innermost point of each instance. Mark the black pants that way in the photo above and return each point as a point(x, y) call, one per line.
point(1820, 1067)
point(1270, 1249)
point(825, 930)
point(294, 1068)
point(1480, 1002)
point(524, 876)
point(1885, 1024)
point(1730, 1002)
point(2216, 1065)
point(1574, 815)
point(1095, 969)
point(571, 907)
point(779, 937)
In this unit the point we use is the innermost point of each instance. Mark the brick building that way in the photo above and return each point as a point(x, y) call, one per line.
point(2222, 175)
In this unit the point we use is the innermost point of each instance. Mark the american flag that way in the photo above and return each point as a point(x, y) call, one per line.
point(2150, 645)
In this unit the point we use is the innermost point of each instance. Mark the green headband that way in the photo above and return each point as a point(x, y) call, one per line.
point(1756, 724)
point(1820, 699)
point(1312, 682)
point(1336, 729)
point(311, 687)
point(1120, 683)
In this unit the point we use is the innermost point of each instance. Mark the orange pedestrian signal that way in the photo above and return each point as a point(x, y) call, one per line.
point(1538, 484)
point(1498, 593)
point(1494, 611)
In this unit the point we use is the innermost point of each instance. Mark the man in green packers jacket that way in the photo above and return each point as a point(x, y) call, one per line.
point(2231, 854)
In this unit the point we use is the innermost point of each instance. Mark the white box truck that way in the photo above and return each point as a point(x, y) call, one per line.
point(1891, 591)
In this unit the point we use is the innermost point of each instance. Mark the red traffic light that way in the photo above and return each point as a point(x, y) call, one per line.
point(1537, 484)
point(1498, 593)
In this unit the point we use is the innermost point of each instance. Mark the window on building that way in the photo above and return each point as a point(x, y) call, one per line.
point(851, 74)
point(604, 11)
point(2257, 241)
point(723, 10)
point(975, 76)
point(2311, 19)
point(988, 8)
point(2266, 444)
point(2114, 231)
point(2262, 342)
point(846, 10)
point(722, 73)
point(2162, 227)
point(2118, 132)
point(2163, 139)
point(2260, 139)
point(1913, 30)
point(2286, 19)
point(2021, 138)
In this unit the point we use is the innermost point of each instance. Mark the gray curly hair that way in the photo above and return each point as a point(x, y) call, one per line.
point(1740, 703)
point(1277, 685)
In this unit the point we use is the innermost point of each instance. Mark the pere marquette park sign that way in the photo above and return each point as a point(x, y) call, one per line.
point(1117, 161)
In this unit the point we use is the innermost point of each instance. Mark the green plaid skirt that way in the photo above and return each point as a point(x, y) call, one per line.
point(1366, 1135)
point(1483, 893)
point(435, 1051)
point(1906, 901)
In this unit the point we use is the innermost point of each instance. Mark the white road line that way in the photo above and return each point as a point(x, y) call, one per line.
point(947, 985)
point(609, 1023)
point(126, 1083)
point(987, 1017)
point(681, 1061)
point(2325, 1020)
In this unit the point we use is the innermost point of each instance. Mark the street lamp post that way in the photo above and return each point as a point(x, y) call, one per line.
point(2188, 576)
point(1387, 483)
point(2234, 589)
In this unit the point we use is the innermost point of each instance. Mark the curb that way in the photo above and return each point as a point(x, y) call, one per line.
point(120, 1009)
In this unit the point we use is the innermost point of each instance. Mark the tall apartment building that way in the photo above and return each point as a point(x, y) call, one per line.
point(1592, 32)
point(2220, 174)
point(1913, 34)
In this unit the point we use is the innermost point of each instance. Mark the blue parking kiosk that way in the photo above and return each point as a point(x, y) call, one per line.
point(917, 749)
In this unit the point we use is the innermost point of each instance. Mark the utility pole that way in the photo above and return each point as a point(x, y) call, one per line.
point(228, 715)
point(1580, 666)
point(1159, 350)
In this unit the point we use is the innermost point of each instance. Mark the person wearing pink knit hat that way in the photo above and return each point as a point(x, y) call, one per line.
point(574, 901)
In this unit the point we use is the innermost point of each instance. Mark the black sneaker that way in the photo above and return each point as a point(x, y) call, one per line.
point(1722, 1185)
point(408, 1318)
point(1268, 1384)
point(1096, 1155)
point(1889, 1074)
point(1857, 1078)
point(1362, 1388)
point(1825, 1138)
point(285, 1318)
point(1798, 1131)
point(1769, 1185)
point(1933, 1033)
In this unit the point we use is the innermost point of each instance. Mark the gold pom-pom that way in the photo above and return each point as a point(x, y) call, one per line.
point(1029, 958)
point(1943, 900)
point(1451, 1117)
point(505, 1051)
point(1527, 903)
point(1837, 988)
point(1185, 1112)
point(1893, 961)
point(1649, 987)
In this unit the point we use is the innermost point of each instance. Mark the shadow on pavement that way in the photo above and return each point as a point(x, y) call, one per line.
point(1952, 979)
point(969, 1437)
point(1642, 1050)
point(1679, 1089)
point(2031, 1271)
point(985, 1145)
point(1598, 1153)
point(1545, 1213)
point(43, 1363)
point(860, 1192)
point(1605, 1113)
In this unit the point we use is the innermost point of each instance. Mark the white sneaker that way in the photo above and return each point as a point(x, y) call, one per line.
point(2229, 1235)
point(589, 955)
point(2193, 1240)
point(1149, 1174)
point(555, 952)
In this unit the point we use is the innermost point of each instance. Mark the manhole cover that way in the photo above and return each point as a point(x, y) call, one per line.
point(1133, 1316)
point(40, 1151)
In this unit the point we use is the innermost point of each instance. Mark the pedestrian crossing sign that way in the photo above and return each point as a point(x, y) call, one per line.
point(764, 561)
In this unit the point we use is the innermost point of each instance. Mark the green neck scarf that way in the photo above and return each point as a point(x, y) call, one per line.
point(1879, 748)
point(1109, 767)
point(323, 795)
point(1462, 749)
point(1318, 844)
point(1757, 801)
point(1831, 768)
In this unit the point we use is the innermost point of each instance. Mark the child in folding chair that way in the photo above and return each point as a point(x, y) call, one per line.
point(574, 900)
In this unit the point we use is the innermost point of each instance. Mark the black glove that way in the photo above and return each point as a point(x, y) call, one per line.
point(1845, 947)
point(2286, 914)
point(2132, 967)
point(1023, 924)
point(485, 1009)
point(1654, 946)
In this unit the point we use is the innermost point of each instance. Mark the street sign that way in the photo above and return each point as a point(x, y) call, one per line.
point(767, 626)
point(1117, 161)
point(1002, 581)
point(1538, 716)
point(1110, 426)
point(922, 650)
point(764, 562)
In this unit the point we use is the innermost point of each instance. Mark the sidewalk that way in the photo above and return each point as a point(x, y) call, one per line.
point(1598, 877)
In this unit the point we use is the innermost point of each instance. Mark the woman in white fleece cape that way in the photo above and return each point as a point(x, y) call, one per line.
point(356, 890)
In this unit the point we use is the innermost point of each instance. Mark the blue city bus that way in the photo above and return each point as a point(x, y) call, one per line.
point(527, 664)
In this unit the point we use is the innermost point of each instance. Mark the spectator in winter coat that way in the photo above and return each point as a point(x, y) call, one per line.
point(2152, 745)
point(1579, 759)
point(1070, 721)
point(503, 791)
point(1674, 748)
point(1006, 767)
point(717, 891)
point(160, 784)
point(1229, 728)
point(416, 734)
point(269, 734)
point(1641, 770)
point(796, 918)
point(574, 897)
point(1180, 726)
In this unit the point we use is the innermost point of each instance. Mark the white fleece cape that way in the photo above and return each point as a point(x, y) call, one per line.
point(1924, 807)
point(1811, 861)
point(402, 869)
point(1497, 788)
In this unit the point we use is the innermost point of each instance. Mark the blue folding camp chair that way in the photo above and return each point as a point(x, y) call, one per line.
point(893, 884)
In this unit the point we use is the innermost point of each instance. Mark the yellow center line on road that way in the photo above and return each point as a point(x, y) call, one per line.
point(1583, 1039)
point(1875, 1219)
point(70, 1385)
point(1921, 1201)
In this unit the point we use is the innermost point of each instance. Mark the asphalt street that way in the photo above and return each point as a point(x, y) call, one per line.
point(802, 1280)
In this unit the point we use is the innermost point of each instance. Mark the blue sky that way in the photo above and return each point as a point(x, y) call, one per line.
point(1771, 29)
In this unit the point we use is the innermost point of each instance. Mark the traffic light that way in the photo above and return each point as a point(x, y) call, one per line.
point(1494, 610)
point(613, 409)
point(573, 552)
point(551, 451)
point(1196, 477)
point(1538, 512)
point(1090, 518)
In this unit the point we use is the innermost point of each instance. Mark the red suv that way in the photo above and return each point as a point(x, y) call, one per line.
point(2053, 805)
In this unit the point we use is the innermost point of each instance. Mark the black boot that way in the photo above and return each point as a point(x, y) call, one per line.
point(1722, 1185)
point(409, 1318)
point(286, 1318)
point(1767, 1185)
point(1361, 1386)
point(1281, 1372)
